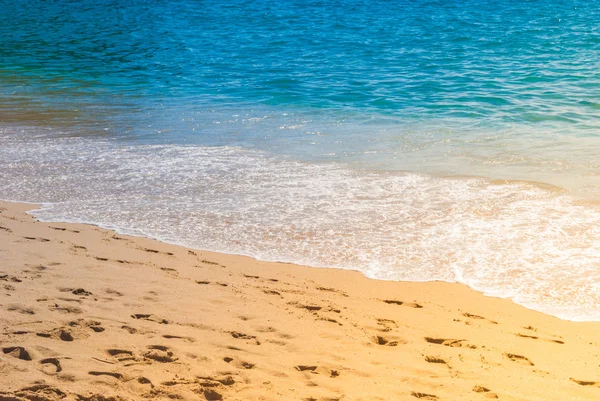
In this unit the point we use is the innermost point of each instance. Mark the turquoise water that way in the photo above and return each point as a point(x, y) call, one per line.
point(421, 140)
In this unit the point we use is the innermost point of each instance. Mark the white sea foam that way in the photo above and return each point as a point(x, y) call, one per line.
point(538, 246)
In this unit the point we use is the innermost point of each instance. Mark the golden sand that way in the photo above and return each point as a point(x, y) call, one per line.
point(87, 314)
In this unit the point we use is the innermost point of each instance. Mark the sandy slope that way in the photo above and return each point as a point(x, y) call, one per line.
point(89, 314)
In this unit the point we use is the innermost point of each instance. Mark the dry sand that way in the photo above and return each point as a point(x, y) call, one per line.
point(89, 314)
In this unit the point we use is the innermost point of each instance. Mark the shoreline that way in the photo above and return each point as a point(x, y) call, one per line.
point(88, 313)
point(39, 207)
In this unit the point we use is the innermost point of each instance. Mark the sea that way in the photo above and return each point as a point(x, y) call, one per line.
point(412, 140)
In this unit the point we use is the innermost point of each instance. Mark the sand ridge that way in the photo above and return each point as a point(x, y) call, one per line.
point(88, 314)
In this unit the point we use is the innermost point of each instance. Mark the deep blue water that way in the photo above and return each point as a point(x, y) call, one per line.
point(490, 64)
point(420, 140)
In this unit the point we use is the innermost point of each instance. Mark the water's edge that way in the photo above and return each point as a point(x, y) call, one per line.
point(38, 207)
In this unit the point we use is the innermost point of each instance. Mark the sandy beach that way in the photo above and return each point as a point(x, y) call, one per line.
point(88, 314)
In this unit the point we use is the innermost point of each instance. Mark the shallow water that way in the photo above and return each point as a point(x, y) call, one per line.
point(422, 140)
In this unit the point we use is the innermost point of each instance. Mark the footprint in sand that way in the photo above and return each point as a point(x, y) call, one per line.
point(328, 319)
point(12, 279)
point(64, 229)
point(187, 339)
point(385, 325)
point(449, 342)
point(38, 392)
point(409, 304)
point(177, 381)
point(170, 271)
point(66, 335)
point(98, 397)
point(150, 317)
point(129, 329)
point(37, 239)
point(21, 309)
point(211, 395)
point(238, 363)
point(424, 396)
point(527, 336)
point(538, 338)
point(433, 359)
point(208, 262)
point(51, 365)
point(17, 352)
point(321, 399)
point(477, 317)
point(76, 329)
point(486, 391)
point(67, 299)
point(160, 353)
point(110, 291)
point(156, 251)
point(156, 353)
point(304, 368)
point(209, 381)
point(586, 383)
point(65, 309)
point(242, 336)
point(121, 355)
point(311, 308)
point(329, 289)
point(116, 375)
point(519, 358)
point(379, 340)
point(314, 369)
point(81, 292)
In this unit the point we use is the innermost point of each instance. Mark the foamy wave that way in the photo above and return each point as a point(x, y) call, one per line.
point(538, 246)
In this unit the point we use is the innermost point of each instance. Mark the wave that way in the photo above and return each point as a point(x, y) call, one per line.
point(535, 244)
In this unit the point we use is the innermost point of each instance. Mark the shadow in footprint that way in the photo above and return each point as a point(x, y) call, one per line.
point(409, 304)
point(17, 352)
point(477, 317)
point(150, 317)
point(424, 396)
point(519, 358)
point(171, 337)
point(212, 395)
point(121, 355)
point(448, 342)
point(239, 363)
point(65, 309)
point(586, 382)
point(486, 391)
point(54, 362)
point(236, 334)
point(303, 368)
point(209, 381)
point(379, 340)
point(111, 374)
point(433, 359)
point(21, 309)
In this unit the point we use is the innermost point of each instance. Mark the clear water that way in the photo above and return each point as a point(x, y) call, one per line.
point(421, 140)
